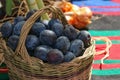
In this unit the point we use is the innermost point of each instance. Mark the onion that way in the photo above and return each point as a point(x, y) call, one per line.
point(87, 11)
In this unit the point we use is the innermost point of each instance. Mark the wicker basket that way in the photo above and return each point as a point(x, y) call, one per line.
point(23, 67)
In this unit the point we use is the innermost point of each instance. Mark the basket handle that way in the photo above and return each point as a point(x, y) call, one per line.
point(106, 50)
point(21, 49)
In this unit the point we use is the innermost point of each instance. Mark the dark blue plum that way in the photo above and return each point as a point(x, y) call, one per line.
point(47, 47)
point(62, 43)
point(31, 42)
point(69, 56)
point(77, 47)
point(6, 29)
point(85, 37)
point(37, 28)
point(18, 27)
point(30, 13)
point(52, 21)
point(13, 42)
point(57, 28)
point(55, 56)
point(47, 37)
point(70, 32)
point(18, 19)
point(41, 52)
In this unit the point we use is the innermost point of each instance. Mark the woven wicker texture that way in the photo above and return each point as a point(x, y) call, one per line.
point(23, 67)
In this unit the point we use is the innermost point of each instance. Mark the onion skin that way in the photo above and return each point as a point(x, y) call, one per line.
point(77, 16)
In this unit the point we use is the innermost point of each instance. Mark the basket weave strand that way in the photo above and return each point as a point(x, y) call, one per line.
point(23, 67)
